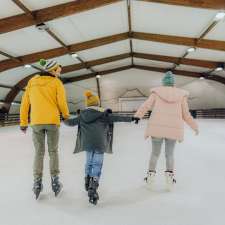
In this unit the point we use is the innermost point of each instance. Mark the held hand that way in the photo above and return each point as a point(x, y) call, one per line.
point(23, 129)
point(136, 119)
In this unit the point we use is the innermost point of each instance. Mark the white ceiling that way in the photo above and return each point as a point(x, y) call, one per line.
point(109, 20)
point(193, 68)
point(105, 51)
point(8, 8)
point(75, 91)
point(26, 41)
point(145, 62)
point(206, 54)
point(158, 48)
point(96, 23)
point(13, 76)
point(113, 65)
point(34, 4)
point(2, 57)
point(3, 93)
point(218, 32)
point(170, 19)
point(75, 73)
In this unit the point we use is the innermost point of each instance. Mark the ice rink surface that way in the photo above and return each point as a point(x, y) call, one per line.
point(198, 199)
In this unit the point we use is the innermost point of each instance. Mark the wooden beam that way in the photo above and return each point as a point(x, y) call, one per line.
point(181, 73)
point(172, 59)
point(92, 75)
point(22, 6)
point(15, 91)
point(163, 70)
point(31, 58)
point(34, 57)
point(178, 40)
point(71, 68)
point(208, 4)
point(43, 15)
point(20, 85)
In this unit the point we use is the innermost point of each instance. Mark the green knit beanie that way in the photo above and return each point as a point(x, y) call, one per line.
point(168, 79)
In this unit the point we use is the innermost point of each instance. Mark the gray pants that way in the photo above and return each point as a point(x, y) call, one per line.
point(156, 150)
point(39, 134)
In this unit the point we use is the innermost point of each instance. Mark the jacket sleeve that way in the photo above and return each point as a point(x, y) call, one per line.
point(24, 108)
point(147, 105)
point(187, 115)
point(111, 118)
point(72, 122)
point(61, 100)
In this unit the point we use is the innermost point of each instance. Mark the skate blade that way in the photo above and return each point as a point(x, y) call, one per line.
point(93, 201)
point(149, 184)
point(170, 186)
point(58, 193)
point(37, 195)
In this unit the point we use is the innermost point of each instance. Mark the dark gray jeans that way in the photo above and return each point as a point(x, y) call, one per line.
point(156, 150)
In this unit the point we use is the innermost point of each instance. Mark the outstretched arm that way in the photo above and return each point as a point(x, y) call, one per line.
point(111, 118)
point(72, 122)
point(147, 105)
point(187, 115)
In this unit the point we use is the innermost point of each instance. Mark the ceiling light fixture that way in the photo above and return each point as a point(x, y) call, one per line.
point(42, 27)
point(220, 68)
point(74, 55)
point(98, 76)
point(191, 49)
point(27, 66)
point(219, 16)
point(202, 78)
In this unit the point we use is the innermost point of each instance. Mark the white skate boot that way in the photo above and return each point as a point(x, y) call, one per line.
point(150, 179)
point(170, 180)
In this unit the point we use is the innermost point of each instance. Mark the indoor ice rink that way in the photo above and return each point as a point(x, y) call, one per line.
point(119, 50)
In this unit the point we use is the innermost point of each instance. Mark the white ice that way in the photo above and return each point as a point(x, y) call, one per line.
point(198, 199)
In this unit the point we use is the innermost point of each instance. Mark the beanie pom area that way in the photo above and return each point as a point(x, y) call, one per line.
point(88, 94)
point(42, 62)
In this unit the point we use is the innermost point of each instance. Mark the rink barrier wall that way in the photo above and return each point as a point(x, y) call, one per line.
point(13, 119)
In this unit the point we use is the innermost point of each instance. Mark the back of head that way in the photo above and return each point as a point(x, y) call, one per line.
point(50, 67)
point(168, 79)
point(91, 99)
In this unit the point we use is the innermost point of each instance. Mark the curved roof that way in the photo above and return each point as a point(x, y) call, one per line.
point(108, 36)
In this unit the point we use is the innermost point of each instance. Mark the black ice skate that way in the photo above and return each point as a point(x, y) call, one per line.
point(37, 188)
point(92, 191)
point(87, 182)
point(56, 185)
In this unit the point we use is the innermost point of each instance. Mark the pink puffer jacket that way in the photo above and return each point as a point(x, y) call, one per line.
point(169, 111)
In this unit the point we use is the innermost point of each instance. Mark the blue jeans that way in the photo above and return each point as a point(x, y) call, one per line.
point(94, 162)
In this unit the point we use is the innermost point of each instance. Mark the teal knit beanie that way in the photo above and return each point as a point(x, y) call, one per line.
point(168, 79)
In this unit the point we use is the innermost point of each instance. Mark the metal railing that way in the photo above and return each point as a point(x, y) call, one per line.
point(13, 119)
point(9, 119)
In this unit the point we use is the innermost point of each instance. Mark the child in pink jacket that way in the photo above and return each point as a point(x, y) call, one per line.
point(169, 111)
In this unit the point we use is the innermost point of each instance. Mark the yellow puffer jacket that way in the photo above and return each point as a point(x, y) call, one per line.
point(45, 98)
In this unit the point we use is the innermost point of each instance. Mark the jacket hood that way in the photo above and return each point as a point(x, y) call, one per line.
point(42, 80)
point(91, 114)
point(170, 94)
